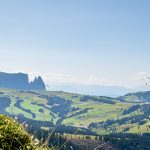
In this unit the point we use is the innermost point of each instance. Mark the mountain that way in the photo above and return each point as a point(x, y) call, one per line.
point(20, 81)
point(37, 84)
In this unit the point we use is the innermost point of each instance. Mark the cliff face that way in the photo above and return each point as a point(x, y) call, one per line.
point(20, 81)
point(37, 84)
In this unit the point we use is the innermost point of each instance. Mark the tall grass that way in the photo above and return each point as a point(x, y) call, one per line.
point(14, 137)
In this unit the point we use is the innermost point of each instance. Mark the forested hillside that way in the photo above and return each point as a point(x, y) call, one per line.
point(99, 114)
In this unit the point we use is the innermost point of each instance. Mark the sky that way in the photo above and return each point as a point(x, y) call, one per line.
point(91, 42)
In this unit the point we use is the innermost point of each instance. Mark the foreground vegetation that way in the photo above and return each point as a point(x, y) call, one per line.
point(13, 136)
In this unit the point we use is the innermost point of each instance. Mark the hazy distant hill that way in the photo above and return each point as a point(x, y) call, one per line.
point(111, 91)
point(137, 97)
point(20, 81)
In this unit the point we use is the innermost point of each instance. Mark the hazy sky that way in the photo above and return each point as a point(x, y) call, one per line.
point(77, 41)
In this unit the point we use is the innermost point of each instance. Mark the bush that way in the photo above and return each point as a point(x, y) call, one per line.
point(13, 136)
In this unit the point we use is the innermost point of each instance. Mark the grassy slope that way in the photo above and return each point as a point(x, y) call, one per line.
point(78, 113)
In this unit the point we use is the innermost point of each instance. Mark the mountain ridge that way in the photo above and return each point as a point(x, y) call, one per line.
point(20, 81)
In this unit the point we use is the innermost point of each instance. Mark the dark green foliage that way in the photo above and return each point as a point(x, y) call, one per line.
point(4, 103)
point(131, 109)
point(58, 105)
point(79, 112)
point(129, 141)
point(101, 99)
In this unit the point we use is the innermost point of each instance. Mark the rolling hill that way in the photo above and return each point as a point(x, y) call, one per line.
point(137, 97)
point(99, 114)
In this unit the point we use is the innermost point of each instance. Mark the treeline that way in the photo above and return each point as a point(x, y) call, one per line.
point(128, 141)
point(118, 141)
point(99, 99)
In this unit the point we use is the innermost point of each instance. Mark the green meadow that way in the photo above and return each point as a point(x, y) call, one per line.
point(102, 115)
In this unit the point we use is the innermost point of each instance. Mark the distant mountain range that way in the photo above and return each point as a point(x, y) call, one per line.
point(20, 81)
point(111, 91)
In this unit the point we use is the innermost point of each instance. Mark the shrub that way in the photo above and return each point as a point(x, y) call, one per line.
point(13, 136)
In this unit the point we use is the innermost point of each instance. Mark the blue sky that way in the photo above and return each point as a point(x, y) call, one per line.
point(101, 42)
